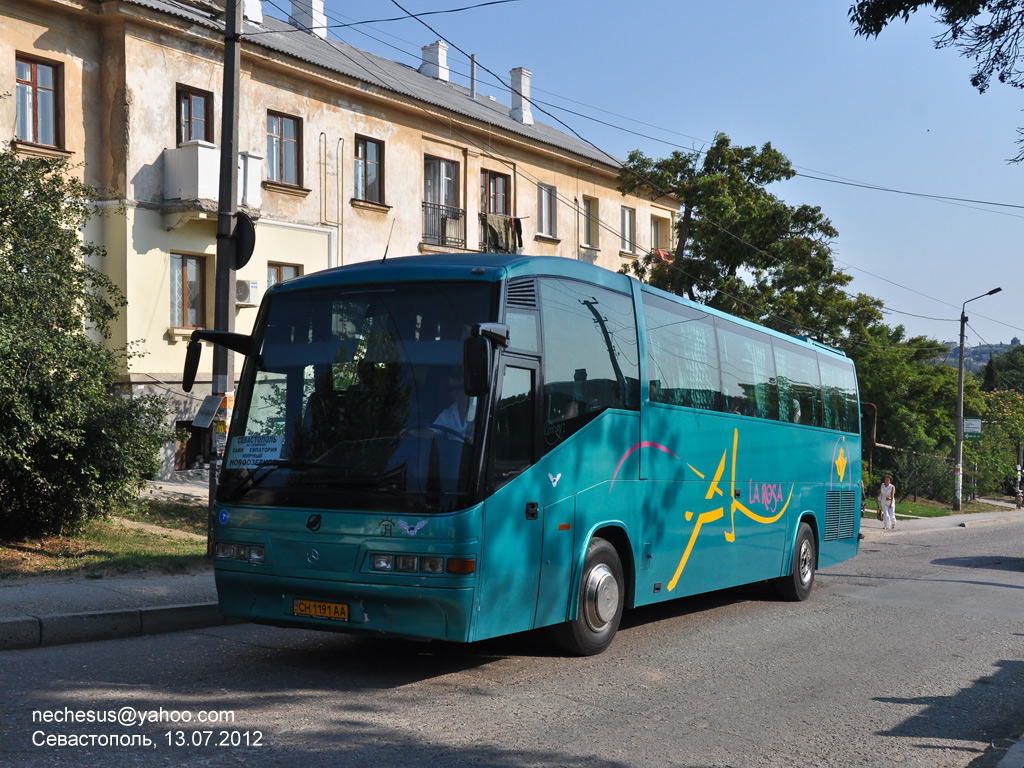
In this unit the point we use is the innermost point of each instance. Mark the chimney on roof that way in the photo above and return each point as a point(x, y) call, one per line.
point(521, 95)
point(309, 15)
point(435, 61)
point(253, 11)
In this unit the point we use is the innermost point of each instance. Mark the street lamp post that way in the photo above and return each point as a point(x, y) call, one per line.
point(958, 479)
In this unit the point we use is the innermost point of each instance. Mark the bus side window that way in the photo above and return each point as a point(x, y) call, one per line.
point(590, 355)
point(839, 390)
point(749, 386)
point(799, 384)
point(682, 354)
point(514, 425)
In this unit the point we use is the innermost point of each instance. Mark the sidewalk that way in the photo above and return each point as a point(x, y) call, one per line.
point(872, 527)
point(54, 610)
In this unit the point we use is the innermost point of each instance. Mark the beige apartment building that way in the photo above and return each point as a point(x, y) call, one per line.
point(342, 154)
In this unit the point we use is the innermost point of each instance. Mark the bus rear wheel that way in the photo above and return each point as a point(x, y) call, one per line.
point(601, 599)
point(797, 585)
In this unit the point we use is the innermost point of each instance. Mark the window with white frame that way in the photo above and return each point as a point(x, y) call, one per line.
point(661, 233)
point(590, 223)
point(628, 221)
point(546, 211)
point(37, 104)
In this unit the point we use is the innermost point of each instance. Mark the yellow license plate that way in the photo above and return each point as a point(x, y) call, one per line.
point(317, 609)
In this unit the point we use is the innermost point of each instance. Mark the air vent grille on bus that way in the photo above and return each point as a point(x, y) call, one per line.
point(840, 514)
point(522, 292)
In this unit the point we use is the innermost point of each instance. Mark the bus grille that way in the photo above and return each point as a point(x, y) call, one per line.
point(840, 514)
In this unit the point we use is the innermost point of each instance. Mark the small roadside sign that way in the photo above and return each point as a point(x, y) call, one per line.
point(207, 411)
point(972, 429)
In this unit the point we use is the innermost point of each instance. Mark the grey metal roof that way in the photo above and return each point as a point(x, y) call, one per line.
point(383, 73)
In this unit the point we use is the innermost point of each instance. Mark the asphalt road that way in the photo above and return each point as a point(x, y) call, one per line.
point(909, 655)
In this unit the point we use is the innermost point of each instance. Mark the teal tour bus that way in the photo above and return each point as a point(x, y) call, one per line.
point(464, 446)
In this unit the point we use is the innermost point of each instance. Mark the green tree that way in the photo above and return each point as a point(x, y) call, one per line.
point(742, 249)
point(69, 450)
point(1001, 433)
point(990, 32)
point(1005, 371)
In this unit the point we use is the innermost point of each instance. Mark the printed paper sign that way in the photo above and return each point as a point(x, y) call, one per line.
point(250, 451)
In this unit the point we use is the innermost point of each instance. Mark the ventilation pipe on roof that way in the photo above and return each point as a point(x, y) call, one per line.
point(309, 15)
point(253, 11)
point(521, 95)
point(435, 61)
point(472, 76)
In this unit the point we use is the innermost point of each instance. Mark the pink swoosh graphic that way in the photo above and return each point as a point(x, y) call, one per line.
point(638, 446)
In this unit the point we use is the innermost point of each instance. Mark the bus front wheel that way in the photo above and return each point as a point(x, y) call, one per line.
point(601, 599)
point(797, 585)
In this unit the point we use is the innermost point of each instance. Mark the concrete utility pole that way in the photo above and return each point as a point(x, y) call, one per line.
point(958, 471)
point(224, 295)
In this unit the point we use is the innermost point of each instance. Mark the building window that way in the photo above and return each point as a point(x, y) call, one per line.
point(495, 189)
point(284, 149)
point(188, 276)
point(546, 212)
point(369, 170)
point(195, 116)
point(36, 87)
point(628, 230)
point(590, 229)
point(440, 182)
point(278, 273)
point(444, 222)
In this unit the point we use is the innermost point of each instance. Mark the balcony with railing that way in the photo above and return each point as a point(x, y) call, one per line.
point(444, 226)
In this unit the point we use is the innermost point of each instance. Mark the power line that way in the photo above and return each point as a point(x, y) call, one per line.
point(344, 25)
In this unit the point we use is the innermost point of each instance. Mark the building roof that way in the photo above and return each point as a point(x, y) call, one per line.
point(376, 71)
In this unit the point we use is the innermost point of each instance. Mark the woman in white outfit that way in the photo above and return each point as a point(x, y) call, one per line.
point(887, 503)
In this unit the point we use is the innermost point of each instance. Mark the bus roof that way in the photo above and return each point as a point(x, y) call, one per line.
point(492, 267)
point(455, 266)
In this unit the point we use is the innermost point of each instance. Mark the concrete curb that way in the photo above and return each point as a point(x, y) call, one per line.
point(1014, 758)
point(22, 632)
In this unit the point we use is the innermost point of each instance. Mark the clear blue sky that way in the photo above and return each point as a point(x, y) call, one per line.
point(890, 112)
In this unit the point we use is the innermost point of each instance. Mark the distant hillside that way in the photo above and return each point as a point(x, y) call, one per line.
point(974, 357)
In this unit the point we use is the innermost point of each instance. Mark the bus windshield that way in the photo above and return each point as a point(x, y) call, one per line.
point(355, 400)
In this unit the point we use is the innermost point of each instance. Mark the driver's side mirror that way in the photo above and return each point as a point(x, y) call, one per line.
point(477, 361)
point(476, 369)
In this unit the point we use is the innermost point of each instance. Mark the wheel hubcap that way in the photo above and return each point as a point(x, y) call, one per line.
point(806, 562)
point(601, 597)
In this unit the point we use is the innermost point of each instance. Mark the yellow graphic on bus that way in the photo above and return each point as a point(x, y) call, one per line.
point(841, 464)
point(716, 514)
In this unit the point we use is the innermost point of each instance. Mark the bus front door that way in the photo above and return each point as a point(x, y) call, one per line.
point(513, 522)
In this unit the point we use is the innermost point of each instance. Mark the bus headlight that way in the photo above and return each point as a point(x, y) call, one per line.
point(432, 564)
point(383, 562)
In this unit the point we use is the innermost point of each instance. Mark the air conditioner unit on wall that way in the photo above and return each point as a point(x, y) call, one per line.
point(247, 293)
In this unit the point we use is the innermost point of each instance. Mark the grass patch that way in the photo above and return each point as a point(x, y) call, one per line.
point(113, 546)
point(929, 508)
point(176, 514)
